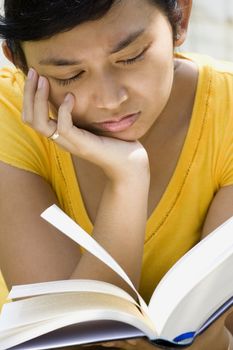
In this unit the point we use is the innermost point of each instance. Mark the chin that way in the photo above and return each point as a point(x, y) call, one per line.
point(129, 136)
point(124, 138)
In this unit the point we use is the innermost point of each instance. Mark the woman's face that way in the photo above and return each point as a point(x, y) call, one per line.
point(119, 68)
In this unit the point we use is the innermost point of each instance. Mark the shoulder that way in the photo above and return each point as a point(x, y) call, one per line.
point(11, 89)
point(11, 75)
point(20, 146)
point(218, 74)
point(206, 61)
point(11, 98)
point(216, 94)
point(11, 78)
point(215, 83)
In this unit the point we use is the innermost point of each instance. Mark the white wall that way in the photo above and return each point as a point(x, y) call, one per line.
point(210, 32)
point(211, 28)
point(3, 60)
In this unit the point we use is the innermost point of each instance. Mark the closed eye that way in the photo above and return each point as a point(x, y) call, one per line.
point(136, 58)
point(65, 82)
point(140, 56)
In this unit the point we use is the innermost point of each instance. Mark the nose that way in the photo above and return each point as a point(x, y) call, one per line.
point(108, 93)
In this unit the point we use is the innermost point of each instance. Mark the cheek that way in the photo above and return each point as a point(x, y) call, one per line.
point(156, 86)
point(57, 96)
point(165, 70)
point(155, 82)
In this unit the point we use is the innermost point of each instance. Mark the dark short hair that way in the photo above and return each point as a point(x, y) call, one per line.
point(29, 20)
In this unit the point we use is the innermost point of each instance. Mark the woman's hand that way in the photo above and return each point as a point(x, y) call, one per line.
point(129, 344)
point(122, 208)
point(116, 158)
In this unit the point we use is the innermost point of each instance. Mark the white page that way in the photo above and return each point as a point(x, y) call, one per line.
point(200, 302)
point(133, 317)
point(56, 217)
point(78, 334)
point(54, 306)
point(190, 270)
point(79, 285)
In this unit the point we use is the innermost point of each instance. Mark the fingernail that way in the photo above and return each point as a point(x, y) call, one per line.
point(132, 341)
point(68, 97)
point(31, 73)
point(109, 344)
point(41, 82)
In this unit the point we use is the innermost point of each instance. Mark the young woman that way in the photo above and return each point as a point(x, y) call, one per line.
point(133, 141)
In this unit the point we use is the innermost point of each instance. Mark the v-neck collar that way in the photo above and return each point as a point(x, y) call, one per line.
point(187, 156)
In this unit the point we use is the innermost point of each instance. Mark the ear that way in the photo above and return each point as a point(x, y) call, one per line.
point(7, 52)
point(185, 7)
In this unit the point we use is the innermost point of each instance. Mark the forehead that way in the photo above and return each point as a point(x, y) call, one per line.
point(124, 17)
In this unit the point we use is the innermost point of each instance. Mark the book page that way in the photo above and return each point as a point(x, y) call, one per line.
point(40, 308)
point(78, 334)
point(200, 303)
point(201, 280)
point(56, 217)
point(84, 333)
point(25, 319)
point(79, 285)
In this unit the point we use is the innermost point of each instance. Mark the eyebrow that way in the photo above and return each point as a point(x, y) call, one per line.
point(60, 62)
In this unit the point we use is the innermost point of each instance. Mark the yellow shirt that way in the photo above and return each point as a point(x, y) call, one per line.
point(205, 164)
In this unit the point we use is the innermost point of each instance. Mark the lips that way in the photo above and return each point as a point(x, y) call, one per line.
point(117, 125)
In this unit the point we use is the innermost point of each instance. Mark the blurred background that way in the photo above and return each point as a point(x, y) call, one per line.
point(211, 28)
point(210, 31)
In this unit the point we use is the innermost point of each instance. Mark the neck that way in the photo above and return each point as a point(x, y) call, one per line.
point(177, 113)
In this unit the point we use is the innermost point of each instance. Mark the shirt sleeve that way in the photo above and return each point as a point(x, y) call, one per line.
point(20, 146)
point(3, 291)
point(225, 164)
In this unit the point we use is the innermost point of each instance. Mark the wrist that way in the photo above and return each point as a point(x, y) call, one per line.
point(131, 175)
point(134, 166)
point(137, 180)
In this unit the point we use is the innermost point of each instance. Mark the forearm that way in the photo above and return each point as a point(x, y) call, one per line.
point(120, 228)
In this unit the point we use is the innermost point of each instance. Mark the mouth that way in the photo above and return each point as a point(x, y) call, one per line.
point(117, 125)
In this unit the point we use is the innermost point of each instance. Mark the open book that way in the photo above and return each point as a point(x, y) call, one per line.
point(194, 292)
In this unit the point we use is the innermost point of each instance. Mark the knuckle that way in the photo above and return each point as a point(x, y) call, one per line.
point(38, 96)
point(35, 126)
point(39, 127)
point(40, 130)
point(29, 89)
point(62, 130)
point(65, 131)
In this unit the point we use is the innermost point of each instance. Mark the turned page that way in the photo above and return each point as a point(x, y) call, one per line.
point(73, 307)
point(67, 286)
point(56, 217)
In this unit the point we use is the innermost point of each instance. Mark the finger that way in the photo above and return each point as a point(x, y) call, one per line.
point(95, 346)
point(64, 119)
point(79, 141)
point(41, 121)
point(29, 95)
point(119, 344)
point(64, 124)
point(65, 127)
point(109, 344)
point(132, 342)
